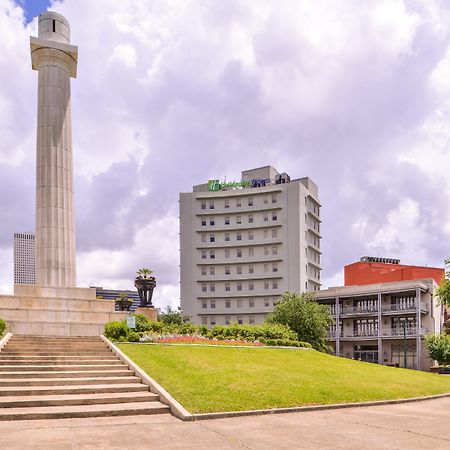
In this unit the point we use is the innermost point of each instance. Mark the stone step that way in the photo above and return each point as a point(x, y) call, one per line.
point(24, 337)
point(67, 374)
point(60, 362)
point(60, 367)
point(76, 399)
point(34, 357)
point(58, 353)
point(61, 412)
point(9, 391)
point(93, 345)
point(67, 381)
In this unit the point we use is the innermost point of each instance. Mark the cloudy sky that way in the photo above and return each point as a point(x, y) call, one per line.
point(354, 94)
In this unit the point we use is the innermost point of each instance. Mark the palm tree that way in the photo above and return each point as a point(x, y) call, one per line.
point(144, 273)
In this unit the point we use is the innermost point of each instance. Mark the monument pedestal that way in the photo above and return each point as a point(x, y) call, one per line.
point(56, 311)
point(148, 311)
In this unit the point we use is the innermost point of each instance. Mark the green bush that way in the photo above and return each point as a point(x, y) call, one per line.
point(116, 330)
point(2, 326)
point(439, 348)
point(133, 336)
point(252, 332)
point(287, 343)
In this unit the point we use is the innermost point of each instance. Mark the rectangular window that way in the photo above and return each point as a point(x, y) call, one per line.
point(250, 219)
point(203, 254)
point(274, 267)
point(266, 200)
point(212, 238)
point(204, 287)
point(239, 253)
point(227, 287)
point(212, 270)
point(274, 284)
point(226, 203)
point(212, 254)
point(266, 285)
point(211, 204)
point(213, 320)
point(227, 253)
point(250, 235)
point(239, 303)
point(211, 221)
point(239, 270)
point(204, 320)
point(274, 198)
point(203, 204)
point(239, 287)
point(274, 250)
point(274, 232)
point(238, 202)
point(227, 303)
point(238, 220)
point(274, 216)
point(266, 268)
point(251, 269)
point(250, 251)
point(239, 236)
point(266, 217)
point(213, 304)
point(227, 320)
point(203, 222)
point(266, 251)
point(227, 220)
point(250, 201)
point(227, 237)
point(239, 320)
point(203, 237)
point(227, 270)
point(266, 302)
point(251, 320)
point(251, 303)
point(212, 288)
point(251, 286)
point(203, 270)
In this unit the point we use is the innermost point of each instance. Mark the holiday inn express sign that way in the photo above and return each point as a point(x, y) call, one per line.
point(216, 185)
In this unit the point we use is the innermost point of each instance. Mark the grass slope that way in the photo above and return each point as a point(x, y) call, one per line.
point(212, 379)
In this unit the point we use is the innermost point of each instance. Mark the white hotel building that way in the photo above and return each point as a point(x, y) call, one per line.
point(244, 244)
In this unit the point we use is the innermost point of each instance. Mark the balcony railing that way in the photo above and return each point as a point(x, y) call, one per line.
point(333, 334)
point(364, 333)
point(358, 310)
point(403, 308)
point(410, 331)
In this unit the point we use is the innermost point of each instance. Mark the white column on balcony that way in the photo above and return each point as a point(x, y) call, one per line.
point(338, 328)
point(380, 324)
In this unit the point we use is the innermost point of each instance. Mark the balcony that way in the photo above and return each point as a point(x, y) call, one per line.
point(399, 308)
point(358, 311)
point(399, 332)
point(332, 334)
point(364, 333)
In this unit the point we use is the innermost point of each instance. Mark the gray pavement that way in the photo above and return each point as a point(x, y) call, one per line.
point(421, 425)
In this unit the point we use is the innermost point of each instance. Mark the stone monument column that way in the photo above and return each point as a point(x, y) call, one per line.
point(56, 62)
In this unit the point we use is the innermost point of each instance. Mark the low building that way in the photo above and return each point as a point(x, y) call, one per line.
point(384, 323)
point(114, 294)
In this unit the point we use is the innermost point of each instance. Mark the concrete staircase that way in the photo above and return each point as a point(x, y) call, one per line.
point(66, 377)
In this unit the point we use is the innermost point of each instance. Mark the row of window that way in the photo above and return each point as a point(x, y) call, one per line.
point(238, 219)
point(228, 320)
point(238, 286)
point(239, 269)
point(211, 204)
point(239, 252)
point(238, 235)
point(240, 303)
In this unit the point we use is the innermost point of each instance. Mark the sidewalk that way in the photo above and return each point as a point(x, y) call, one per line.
point(422, 425)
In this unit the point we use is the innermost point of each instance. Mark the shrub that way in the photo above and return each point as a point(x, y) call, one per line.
point(2, 326)
point(133, 336)
point(439, 348)
point(287, 343)
point(116, 330)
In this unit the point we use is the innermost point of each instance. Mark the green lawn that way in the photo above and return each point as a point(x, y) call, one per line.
point(212, 379)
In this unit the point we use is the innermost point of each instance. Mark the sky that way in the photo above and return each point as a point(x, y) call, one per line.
point(354, 94)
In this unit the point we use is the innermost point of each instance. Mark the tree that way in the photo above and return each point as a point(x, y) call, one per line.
point(439, 348)
point(304, 316)
point(171, 316)
point(443, 291)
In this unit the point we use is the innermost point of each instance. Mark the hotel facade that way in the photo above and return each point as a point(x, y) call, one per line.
point(385, 322)
point(242, 244)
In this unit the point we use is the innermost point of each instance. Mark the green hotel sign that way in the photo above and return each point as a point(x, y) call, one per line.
point(216, 185)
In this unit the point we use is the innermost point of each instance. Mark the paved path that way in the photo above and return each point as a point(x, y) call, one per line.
point(422, 425)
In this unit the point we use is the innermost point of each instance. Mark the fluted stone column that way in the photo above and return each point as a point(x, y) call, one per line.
point(56, 61)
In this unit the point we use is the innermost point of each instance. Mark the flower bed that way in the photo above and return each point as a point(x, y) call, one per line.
point(195, 339)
